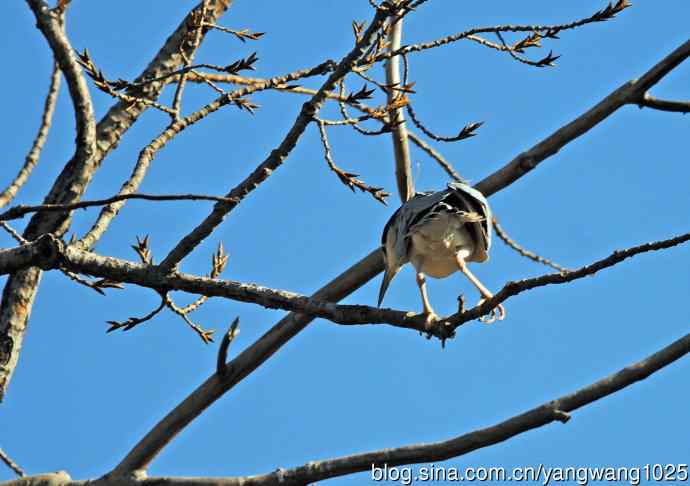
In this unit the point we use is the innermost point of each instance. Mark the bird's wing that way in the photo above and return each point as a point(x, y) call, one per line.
point(467, 198)
point(407, 216)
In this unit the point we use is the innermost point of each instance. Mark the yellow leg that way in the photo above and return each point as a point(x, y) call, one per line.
point(428, 311)
point(501, 314)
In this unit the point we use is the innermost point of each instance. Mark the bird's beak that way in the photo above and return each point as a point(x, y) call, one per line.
point(387, 277)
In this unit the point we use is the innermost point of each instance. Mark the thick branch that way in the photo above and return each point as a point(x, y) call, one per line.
point(20, 289)
point(555, 410)
point(401, 148)
point(237, 369)
point(150, 276)
point(43, 252)
point(49, 252)
point(628, 93)
point(349, 281)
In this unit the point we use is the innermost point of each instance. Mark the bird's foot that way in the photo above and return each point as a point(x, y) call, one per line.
point(429, 320)
point(497, 313)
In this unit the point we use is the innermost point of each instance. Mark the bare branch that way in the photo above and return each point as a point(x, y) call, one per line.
point(225, 345)
point(11, 464)
point(401, 148)
point(42, 253)
point(445, 165)
point(148, 275)
point(111, 87)
point(246, 362)
point(22, 210)
point(513, 288)
point(628, 93)
point(547, 61)
point(35, 152)
point(147, 155)
point(132, 322)
point(242, 35)
point(206, 335)
point(557, 410)
point(13, 233)
point(649, 101)
point(196, 26)
point(20, 289)
point(522, 251)
point(546, 30)
point(343, 285)
point(466, 132)
point(348, 178)
point(278, 155)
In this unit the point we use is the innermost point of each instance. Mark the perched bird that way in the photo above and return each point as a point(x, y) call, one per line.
point(439, 232)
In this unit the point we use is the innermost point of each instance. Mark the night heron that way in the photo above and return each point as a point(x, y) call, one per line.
point(439, 232)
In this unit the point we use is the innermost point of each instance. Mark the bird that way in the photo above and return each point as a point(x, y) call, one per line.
point(439, 233)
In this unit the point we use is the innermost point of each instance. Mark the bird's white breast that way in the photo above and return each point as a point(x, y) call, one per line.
point(435, 243)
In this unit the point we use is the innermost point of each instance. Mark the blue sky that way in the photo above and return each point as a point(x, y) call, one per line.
point(80, 399)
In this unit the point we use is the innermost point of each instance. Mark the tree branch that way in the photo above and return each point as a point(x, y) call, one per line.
point(22, 210)
point(11, 464)
point(401, 148)
point(649, 101)
point(21, 288)
point(556, 410)
point(346, 283)
point(628, 93)
point(35, 152)
point(278, 155)
point(19, 291)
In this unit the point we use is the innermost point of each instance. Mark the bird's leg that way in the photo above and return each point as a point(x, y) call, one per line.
point(486, 295)
point(428, 311)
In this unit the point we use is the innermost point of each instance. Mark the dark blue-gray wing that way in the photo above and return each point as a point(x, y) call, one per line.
point(466, 198)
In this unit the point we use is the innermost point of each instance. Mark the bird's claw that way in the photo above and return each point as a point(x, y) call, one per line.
point(497, 313)
point(429, 320)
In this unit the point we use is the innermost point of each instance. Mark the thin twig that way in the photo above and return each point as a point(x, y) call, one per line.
point(11, 464)
point(277, 156)
point(32, 157)
point(147, 155)
point(198, 27)
point(547, 61)
point(241, 35)
point(13, 233)
point(206, 335)
point(466, 132)
point(348, 178)
point(434, 154)
point(514, 288)
point(75, 178)
point(20, 211)
point(522, 251)
point(132, 322)
point(343, 111)
point(228, 337)
point(547, 30)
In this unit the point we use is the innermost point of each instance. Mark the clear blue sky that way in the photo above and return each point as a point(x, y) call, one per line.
point(80, 399)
